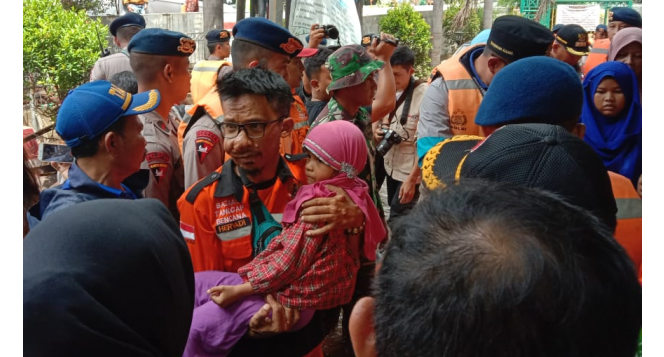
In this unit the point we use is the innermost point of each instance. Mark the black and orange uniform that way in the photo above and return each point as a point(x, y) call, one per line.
point(215, 215)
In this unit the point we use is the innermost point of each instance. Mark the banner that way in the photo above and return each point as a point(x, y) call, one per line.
point(340, 13)
point(587, 16)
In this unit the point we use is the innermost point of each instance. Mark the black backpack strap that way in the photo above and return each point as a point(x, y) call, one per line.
point(409, 96)
point(198, 187)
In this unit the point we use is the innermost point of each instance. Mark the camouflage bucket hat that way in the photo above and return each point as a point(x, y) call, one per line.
point(350, 65)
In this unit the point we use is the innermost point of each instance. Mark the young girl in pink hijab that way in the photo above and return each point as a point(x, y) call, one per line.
point(305, 273)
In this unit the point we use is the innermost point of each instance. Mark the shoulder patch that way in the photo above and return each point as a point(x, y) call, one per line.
point(205, 142)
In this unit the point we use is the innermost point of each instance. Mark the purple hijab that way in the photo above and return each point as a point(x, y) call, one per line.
point(617, 140)
point(342, 146)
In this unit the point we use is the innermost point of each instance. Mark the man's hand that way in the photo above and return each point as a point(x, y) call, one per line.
point(282, 320)
point(407, 191)
point(338, 212)
point(316, 36)
point(383, 50)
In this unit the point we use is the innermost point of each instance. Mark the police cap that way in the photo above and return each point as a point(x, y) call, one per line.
point(217, 36)
point(515, 37)
point(128, 19)
point(265, 33)
point(626, 15)
point(156, 41)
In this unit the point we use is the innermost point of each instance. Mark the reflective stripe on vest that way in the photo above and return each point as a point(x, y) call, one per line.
point(603, 51)
point(629, 208)
point(464, 96)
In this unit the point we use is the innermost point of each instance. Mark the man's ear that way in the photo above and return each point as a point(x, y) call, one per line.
point(109, 142)
point(495, 64)
point(361, 328)
point(168, 72)
point(287, 126)
point(314, 83)
point(252, 64)
point(579, 130)
point(411, 71)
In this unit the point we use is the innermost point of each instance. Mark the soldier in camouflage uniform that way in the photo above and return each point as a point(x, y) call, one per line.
point(353, 87)
point(353, 84)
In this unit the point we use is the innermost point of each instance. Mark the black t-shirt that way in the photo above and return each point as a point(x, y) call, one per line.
point(314, 108)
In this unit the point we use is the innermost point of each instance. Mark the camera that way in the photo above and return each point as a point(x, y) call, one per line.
point(331, 31)
point(391, 137)
point(387, 40)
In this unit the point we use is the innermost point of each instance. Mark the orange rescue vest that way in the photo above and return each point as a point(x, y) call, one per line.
point(293, 144)
point(464, 96)
point(204, 77)
point(215, 215)
point(598, 54)
point(629, 228)
point(210, 103)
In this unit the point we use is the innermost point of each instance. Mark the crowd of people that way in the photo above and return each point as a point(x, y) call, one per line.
point(252, 224)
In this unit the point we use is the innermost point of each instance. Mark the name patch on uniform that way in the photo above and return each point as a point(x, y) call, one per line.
point(205, 142)
point(157, 157)
point(244, 222)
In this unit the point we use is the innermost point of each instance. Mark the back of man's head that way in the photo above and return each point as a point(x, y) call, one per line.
point(312, 65)
point(484, 269)
point(402, 56)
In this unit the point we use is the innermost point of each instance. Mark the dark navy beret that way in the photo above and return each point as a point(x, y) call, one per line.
point(625, 14)
point(217, 36)
point(515, 37)
point(128, 19)
point(550, 93)
point(156, 41)
point(267, 34)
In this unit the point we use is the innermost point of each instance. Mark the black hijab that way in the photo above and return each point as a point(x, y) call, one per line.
point(107, 277)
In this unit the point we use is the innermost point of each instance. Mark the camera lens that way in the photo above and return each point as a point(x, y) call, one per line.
point(332, 32)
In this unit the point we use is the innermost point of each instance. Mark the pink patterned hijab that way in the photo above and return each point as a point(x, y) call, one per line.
point(342, 146)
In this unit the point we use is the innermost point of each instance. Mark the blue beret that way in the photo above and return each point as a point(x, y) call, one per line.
point(551, 93)
point(128, 19)
point(515, 37)
point(217, 36)
point(603, 27)
point(267, 34)
point(625, 14)
point(156, 41)
point(481, 37)
point(557, 27)
point(93, 107)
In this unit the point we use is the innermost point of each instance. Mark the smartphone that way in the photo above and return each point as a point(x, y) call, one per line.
point(55, 153)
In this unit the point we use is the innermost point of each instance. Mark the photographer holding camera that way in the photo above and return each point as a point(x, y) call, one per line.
point(396, 136)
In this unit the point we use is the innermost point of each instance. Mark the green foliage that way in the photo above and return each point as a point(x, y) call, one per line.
point(413, 31)
point(59, 49)
point(465, 34)
point(94, 6)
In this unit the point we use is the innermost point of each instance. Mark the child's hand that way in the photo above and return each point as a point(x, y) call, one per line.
point(223, 295)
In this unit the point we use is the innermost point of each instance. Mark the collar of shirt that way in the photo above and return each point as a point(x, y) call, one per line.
point(79, 181)
point(231, 184)
point(473, 55)
point(338, 112)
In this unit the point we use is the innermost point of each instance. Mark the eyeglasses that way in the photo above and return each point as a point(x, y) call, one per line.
point(254, 130)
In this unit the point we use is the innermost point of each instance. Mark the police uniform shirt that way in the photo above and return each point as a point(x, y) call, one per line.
point(106, 67)
point(202, 149)
point(163, 159)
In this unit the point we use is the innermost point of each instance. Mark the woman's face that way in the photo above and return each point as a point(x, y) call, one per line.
point(631, 56)
point(609, 98)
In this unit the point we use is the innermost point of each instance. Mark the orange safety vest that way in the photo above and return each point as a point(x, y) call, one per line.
point(215, 217)
point(629, 228)
point(204, 77)
point(293, 144)
point(210, 103)
point(464, 96)
point(598, 54)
